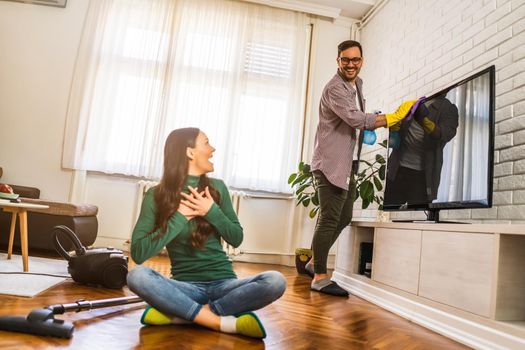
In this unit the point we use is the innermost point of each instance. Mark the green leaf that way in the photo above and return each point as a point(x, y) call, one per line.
point(382, 170)
point(383, 143)
point(292, 177)
point(365, 204)
point(377, 182)
point(300, 179)
point(301, 188)
point(306, 168)
point(380, 159)
point(306, 202)
point(315, 199)
point(366, 190)
point(313, 212)
point(301, 165)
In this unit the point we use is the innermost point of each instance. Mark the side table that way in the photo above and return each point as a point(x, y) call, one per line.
point(20, 210)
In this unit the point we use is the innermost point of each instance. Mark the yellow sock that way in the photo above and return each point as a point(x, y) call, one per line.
point(153, 317)
point(248, 324)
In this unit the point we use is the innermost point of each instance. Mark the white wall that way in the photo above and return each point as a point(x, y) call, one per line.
point(38, 46)
point(416, 47)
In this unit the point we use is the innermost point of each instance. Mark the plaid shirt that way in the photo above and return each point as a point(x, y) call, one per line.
point(335, 138)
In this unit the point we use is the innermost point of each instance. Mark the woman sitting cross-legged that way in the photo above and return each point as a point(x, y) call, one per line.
point(189, 213)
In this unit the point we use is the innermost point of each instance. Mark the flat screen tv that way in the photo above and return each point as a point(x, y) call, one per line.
point(442, 155)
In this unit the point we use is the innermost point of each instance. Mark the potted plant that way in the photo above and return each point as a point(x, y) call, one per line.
point(369, 180)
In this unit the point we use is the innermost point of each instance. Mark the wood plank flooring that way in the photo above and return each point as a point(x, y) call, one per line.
point(301, 319)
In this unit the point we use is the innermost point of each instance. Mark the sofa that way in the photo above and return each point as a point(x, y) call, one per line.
point(81, 218)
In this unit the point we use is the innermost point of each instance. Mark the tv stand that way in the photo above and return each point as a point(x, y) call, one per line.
point(463, 281)
point(429, 221)
point(433, 215)
point(432, 218)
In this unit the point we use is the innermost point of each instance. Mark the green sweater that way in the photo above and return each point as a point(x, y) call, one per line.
point(187, 263)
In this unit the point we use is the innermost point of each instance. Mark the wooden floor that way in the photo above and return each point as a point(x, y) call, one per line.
point(301, 319)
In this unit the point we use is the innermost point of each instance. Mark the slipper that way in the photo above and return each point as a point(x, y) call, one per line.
point(308, 271)
point(332, 289)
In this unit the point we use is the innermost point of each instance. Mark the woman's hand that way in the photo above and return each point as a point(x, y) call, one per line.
point(199, 203)
point(186, 211)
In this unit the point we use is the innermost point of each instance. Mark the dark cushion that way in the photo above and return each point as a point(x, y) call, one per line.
point(27, 192)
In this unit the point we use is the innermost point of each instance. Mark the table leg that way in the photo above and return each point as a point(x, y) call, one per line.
point(23, 237)
point(11, 235)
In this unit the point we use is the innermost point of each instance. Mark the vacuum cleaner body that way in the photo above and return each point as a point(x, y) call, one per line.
point(107, 267)
point(101, 266)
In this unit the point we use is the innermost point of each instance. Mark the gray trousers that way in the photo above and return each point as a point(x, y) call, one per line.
point(335, 213)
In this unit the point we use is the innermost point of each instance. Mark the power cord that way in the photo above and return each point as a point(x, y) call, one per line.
point(34, 273)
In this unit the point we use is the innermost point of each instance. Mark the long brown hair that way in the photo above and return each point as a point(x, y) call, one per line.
point(167, 193)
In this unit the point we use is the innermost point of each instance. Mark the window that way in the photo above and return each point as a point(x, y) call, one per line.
point(233, 69)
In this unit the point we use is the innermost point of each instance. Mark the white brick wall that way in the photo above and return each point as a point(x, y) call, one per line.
point(417, 47)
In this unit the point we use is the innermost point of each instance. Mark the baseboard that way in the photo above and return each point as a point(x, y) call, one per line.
point(274, 258)
point(243, 256)
point(118, 243)
point(473, 334)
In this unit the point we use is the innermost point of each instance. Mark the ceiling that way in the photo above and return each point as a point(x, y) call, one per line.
point(349, 8)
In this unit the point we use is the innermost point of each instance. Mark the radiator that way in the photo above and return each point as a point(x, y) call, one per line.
point(144, 186)
point(236, 197)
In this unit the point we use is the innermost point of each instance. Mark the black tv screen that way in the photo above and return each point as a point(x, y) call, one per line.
point(441, 156)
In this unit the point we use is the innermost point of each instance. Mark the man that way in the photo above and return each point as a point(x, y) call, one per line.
point(340, 115)
point(414, 168)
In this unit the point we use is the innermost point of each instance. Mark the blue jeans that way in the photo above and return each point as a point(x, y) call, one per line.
point(184, 299)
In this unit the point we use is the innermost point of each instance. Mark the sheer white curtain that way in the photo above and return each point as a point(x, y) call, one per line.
point(233, 69)
point(465, 158)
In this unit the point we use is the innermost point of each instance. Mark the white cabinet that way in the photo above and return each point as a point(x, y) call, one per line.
point(463, 281)
point(396, 258)
point(457, 269)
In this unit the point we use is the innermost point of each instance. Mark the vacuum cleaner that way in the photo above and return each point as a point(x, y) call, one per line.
point(43, 322)
point(107, 267)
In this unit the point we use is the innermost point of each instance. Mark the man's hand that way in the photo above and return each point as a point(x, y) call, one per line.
point(421, 116)
point(420, 113)
point(200, 203)
point(395, 127)
point(401, 112)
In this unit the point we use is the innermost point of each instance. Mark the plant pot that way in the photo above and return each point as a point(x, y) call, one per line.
point(302, 257)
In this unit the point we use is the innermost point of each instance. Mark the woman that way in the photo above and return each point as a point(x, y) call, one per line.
point(189, 213)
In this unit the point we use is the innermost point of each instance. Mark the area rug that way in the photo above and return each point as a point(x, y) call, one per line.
point(33, 282)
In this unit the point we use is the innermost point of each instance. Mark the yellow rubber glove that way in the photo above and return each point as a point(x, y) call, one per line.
point(400, 114)
point(395, 127)
point(428, 125)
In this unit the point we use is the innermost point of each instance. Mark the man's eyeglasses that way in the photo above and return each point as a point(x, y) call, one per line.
point(346, 60)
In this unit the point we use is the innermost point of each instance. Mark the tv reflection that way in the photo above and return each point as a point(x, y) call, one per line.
point(414, 166)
